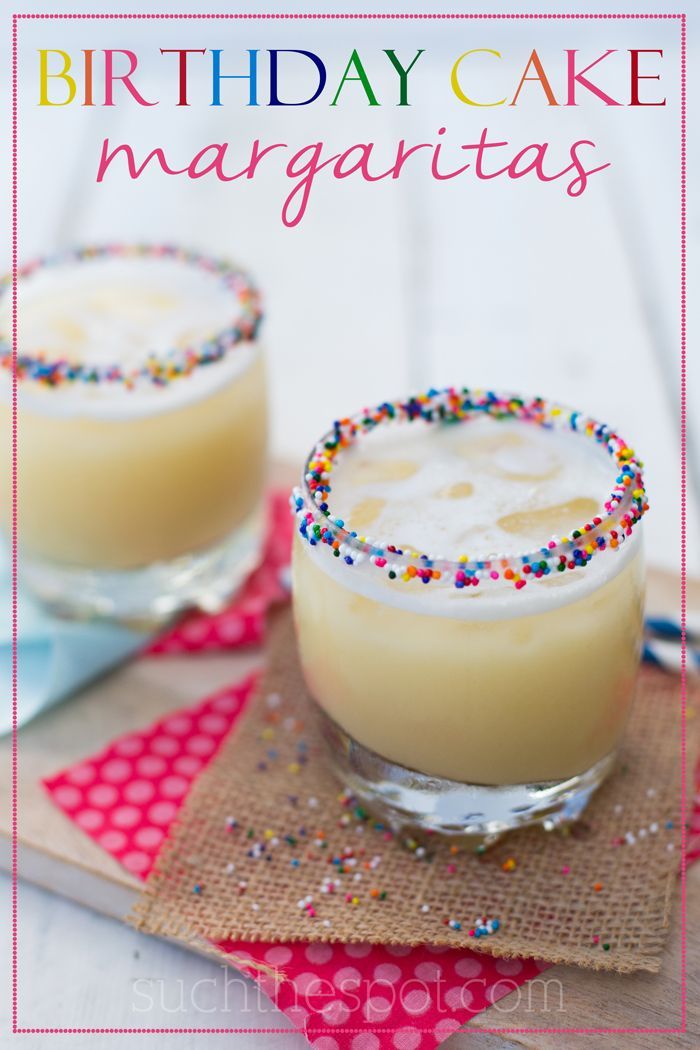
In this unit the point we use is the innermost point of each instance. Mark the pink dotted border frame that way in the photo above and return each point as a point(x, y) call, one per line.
point(679, 17)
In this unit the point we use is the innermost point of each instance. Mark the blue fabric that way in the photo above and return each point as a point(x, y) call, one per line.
point(55, 657)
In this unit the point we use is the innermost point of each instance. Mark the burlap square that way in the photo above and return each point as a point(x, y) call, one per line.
point(265, 828)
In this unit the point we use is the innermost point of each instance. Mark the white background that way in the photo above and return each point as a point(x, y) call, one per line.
point(382, 289)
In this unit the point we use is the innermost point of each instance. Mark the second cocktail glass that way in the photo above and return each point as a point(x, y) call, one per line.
point(141, 429)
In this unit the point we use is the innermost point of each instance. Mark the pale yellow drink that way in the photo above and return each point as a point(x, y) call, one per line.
point(122, 494)
point(482, 685)
point(115, 477)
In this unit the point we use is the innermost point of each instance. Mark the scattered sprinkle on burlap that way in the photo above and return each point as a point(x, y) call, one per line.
point(609, 882)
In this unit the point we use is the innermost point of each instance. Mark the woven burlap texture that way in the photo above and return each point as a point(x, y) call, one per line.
point(567, 898)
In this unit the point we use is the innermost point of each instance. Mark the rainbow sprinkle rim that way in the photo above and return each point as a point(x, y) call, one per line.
point(158, 369)
point(609, 528)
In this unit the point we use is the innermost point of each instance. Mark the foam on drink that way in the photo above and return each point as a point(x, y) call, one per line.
point(480, 487)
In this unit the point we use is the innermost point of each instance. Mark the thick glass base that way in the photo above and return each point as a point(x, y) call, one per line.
point(406, 800)
point(206, 580)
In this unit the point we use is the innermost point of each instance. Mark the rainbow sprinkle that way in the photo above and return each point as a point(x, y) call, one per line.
point(157, 369)
point(608, 529)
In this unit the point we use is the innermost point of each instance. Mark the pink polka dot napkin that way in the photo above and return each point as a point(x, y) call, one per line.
point(126, 796)
point(243, 622)
point(693, 843)
point(342, 997)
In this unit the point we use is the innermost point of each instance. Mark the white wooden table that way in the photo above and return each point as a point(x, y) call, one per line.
point(397, 287)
